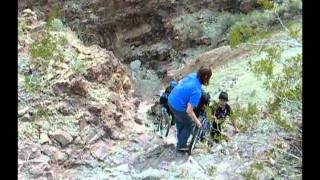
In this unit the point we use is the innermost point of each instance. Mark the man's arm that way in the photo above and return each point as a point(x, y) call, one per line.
point(233, 119)
point(234, 123)
point(191, 113)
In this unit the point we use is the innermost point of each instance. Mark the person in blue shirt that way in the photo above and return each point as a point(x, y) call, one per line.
point(184, 97)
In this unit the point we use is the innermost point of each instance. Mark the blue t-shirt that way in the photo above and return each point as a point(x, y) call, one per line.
point(187, 91)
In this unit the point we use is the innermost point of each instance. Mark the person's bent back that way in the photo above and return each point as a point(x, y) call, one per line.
point(182, 101)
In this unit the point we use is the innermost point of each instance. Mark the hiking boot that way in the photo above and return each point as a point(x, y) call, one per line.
point(183, 149)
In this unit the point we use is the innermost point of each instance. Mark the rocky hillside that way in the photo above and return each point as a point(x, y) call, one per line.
point(162, 35)
point(88, 72)
point(155, 32)
point(74, 100)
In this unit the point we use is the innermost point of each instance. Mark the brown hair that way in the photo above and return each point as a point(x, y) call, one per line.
point(204, 75)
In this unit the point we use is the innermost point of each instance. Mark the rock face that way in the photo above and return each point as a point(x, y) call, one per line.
point(212, 59)
point(154, 32)
point(63, 138)
point(74, 116)
point(142, 29)
point(90, 135)
point(79, 86)
point(147, 83)
point(247, 6)
point(66, 108)
point(99, 150)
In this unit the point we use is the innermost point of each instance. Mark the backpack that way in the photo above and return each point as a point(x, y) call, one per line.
point(169, 88)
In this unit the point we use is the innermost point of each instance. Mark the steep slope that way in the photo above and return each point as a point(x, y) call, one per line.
point(83, 114)
point(263, 149)
point(74, 101)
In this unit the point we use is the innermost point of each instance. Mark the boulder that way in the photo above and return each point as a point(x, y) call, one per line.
point(99, 150)
point(23, 111)
point(44, 138)
point(79, 86)
point(60, 88)
point(26, 118)
point(66, 108)
point(95, 110)
point(138, 120)
point(49, 150)
point(135, 65)
point(59, 156)
point(63, 138)
point(91, 135)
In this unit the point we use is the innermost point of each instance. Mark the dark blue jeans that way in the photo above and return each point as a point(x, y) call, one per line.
point(184, 126)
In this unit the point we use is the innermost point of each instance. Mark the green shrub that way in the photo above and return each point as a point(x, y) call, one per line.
point(246, 117)
point(258, 23)
point(274, 52)
point(56, 24)
point(250, 27)
point(188, 28)
point(285, 85)
point(227, 20)
point(288, 85)
point(251, 173)
point(265, 4)
point(63, 41)
point(282, 121)
point(31, 83)
point(195, 31)
point(212, 170)
point(273, 105)
point(46, 48)
point(265, 65)
point(78, 66)
point(22, 26)
point(74, 7)
point(241, 33)
point(294, 32)
point(42, 111)
point(55, 13)
point(43, 47)
point(83, 33)
point(235, 37)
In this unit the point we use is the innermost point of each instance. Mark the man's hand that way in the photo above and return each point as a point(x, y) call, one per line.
point(193, 116)
point(198, 123)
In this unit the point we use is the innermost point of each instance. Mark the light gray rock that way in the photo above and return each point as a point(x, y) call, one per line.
point(63, 138)
point(90, 134)
point(151, 174)
point(135, 65)
point(99, 150)
point(122, 168)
